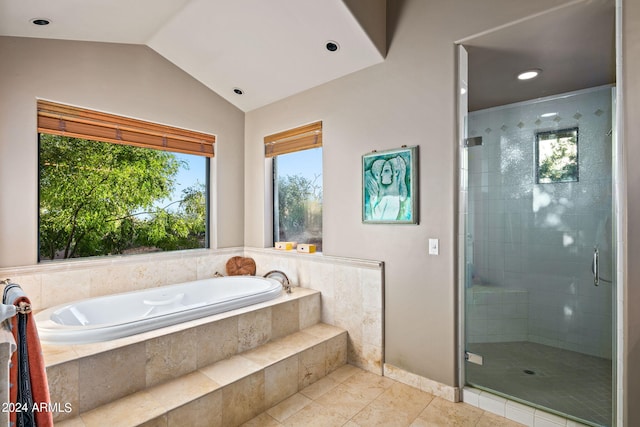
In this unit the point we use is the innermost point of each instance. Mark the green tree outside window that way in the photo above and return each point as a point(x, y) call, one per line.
point(99, 199)
point(557, 156)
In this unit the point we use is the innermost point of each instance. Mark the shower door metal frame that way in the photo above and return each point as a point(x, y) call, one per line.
point(461, 211)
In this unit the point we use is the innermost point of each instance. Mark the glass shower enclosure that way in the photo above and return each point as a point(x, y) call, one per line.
point(537, 272)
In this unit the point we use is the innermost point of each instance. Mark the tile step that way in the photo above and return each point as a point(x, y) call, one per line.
point(88, 376)
point(230, 391)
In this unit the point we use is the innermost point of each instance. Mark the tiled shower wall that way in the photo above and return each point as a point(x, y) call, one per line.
point(351, 290)
point(540, 238)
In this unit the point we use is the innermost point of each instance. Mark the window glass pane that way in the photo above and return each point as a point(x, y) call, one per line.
point(98, 198)
point(557, 156)
point(298, 197)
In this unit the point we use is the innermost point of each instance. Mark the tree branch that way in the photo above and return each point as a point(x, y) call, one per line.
point(132, 215)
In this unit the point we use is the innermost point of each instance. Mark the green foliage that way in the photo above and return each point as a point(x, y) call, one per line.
point(299, 206)
point(98, 198)
point(183, 230)
point(560, 162)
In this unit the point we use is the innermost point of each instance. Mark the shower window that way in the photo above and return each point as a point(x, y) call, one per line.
point(557, 156)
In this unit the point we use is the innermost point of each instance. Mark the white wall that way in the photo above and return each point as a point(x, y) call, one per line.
point(128, 80)
point(540, 237)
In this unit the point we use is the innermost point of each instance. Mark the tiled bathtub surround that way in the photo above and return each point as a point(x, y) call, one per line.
point(232, 391)
point(52, 283)
point(91, 375)
point(352, 290)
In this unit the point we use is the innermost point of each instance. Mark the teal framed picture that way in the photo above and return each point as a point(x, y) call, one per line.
point(389, 186)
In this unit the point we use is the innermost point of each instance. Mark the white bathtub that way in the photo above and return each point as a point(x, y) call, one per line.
point(120, 315)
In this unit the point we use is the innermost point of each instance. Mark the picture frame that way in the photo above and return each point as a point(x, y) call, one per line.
point(390, 186)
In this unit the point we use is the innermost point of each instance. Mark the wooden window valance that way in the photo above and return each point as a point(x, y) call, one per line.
point(66, 120)
point(289, 141)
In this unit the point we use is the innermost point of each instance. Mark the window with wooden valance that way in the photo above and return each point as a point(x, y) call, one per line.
point(66, 120)
point(301, 138)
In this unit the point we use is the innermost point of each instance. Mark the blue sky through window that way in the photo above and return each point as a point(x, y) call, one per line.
point(186, 177)
point(307, 163)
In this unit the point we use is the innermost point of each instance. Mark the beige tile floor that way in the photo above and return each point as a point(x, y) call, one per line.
point(352, 397)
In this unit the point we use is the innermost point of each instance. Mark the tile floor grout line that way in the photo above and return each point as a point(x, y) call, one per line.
point(435, 407)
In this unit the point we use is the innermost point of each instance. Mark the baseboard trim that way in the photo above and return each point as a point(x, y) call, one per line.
point(436, 388)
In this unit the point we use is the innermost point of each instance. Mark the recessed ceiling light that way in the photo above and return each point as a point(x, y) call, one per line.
point(548, 114)
point(237, 91)
point(332, 46)
point(40, 21)
point(529, 74)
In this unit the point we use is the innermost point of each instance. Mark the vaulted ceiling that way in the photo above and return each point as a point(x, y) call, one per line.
point(267, 49)
point(272, 49)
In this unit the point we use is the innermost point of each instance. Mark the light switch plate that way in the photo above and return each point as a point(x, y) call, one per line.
point(434, 247)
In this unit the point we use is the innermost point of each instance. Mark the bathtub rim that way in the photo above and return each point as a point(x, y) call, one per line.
point(53, 333)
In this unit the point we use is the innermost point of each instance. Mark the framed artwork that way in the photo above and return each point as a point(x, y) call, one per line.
point(389, 186)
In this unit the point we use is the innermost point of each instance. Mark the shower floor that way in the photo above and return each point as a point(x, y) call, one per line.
point(561, 380)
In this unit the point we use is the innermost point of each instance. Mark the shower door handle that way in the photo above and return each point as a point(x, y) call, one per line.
point(596, 267)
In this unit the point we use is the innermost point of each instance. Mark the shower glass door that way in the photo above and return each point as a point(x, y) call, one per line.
point(538, 267)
